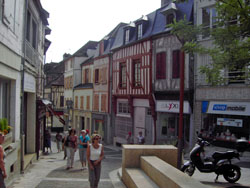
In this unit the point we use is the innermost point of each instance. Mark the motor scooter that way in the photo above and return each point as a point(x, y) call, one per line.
point(219, 163)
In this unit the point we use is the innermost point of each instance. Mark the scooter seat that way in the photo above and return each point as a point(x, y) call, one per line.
point(223, 155)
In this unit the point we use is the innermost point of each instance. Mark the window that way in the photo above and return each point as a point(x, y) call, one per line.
point(96, 75)
point(126, 36)
point(137, 73)
point(76, 102)
point(103, 103)
point(139, 31)
point(208, 20)
point(61, 101)
point(28, 26)
point(170, 18)
point(161, 65)
point(104, 75)
point(123, 108)
point(122, 75)
point(96, 102)
point(86, 76)
point(176, 64)
point(4, 99)
point(34, 34)
point(81, 102)
point(88, 103)
point(31, 30)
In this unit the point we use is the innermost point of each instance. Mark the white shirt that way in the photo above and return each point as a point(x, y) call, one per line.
point(95, 153)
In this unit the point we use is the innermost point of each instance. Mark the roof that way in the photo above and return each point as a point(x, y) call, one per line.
point(84, 86)
point(89, 60)
point(156, 23)
point(56, 72)
point(108, 40)
point(83, 50)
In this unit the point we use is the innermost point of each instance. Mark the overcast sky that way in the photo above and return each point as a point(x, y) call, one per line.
point(75, 22)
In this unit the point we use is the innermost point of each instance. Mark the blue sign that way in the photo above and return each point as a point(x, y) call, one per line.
point(220, 107)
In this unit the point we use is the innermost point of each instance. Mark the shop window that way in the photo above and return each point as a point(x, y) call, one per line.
point(161, 65)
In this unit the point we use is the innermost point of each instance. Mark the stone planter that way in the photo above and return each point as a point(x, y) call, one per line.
point(7, 140)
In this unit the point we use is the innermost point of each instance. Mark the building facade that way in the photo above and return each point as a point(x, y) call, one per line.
point(221, 112)
point(22, 48)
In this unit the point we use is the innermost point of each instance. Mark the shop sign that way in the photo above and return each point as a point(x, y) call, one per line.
point(229, 122)
point(172, 106)
point(231, 108)
point(29, 83)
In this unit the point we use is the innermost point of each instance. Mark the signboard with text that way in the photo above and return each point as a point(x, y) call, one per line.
point(172, 106)
point(229, 122)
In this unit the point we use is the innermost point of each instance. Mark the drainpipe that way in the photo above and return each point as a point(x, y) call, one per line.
point(22, 85)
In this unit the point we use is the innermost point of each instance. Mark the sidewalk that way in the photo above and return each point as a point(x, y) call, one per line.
point(50, 172)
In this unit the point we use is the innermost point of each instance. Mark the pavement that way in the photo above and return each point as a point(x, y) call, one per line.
point(49, 172)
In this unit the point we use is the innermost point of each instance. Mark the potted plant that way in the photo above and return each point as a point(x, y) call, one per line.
point(4, 127)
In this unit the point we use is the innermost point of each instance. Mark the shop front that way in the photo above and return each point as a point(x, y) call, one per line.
point(168, 122)
point(225, 122)
point(99, 124)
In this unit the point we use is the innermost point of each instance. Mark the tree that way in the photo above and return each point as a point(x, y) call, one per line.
point(230, 35)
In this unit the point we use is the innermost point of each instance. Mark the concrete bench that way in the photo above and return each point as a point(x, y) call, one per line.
point(167, 176)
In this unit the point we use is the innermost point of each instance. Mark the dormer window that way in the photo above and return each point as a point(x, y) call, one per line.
point(170, 18)
point(126, 36)
point(139, 31)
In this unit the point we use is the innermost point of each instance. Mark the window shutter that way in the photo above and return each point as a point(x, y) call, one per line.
point(176, 64)
point(161, 65)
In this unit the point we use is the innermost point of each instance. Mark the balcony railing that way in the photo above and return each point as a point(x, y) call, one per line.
point(232, 77)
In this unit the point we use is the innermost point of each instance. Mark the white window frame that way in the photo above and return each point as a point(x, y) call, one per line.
point(212, 15)
point(139, 31)
point(124, 111)
point(6, 100)
point(127, 32)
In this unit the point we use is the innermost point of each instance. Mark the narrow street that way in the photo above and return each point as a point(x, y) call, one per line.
point(49, 172)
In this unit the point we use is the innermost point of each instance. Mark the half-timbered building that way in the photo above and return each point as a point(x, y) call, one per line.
point(132, 98)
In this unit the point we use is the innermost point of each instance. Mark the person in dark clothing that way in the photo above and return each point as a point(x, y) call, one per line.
point(47, 141)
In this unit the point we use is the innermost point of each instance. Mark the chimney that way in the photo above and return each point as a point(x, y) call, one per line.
point(165, 2)
point(65, 55)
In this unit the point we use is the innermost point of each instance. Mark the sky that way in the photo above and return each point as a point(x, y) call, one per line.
point(74, 23)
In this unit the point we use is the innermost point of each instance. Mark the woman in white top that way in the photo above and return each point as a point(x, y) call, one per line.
point(95, 155)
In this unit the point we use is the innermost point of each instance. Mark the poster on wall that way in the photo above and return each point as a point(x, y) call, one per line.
point(229, 122)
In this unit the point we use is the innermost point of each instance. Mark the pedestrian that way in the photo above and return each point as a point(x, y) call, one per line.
point(58, 141)
point(87, 134)
point(95, 154)
point(140, 138)
point(47, 141)
point(70, 142)
point(65, 134)
point(3, 174)
point(129, 138)
point(83, 145)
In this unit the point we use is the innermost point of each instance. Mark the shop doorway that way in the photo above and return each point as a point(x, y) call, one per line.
point(82, 123)
point(149, 124)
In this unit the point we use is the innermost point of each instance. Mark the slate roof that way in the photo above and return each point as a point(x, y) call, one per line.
point(82, 52)
point(84, 86)
point(109, 40)
point(55, 71)
point(156, 23)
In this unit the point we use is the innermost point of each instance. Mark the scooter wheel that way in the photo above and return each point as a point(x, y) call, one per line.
point(232, 175)
point(189, 170)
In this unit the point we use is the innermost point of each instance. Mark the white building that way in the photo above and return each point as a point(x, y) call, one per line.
point(21, 51)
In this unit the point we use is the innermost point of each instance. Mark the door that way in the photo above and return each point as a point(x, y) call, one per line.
point(139, 122)
point(82, 123)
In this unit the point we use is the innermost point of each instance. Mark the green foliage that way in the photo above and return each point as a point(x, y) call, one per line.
point(4, 127)
point(231, 49)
